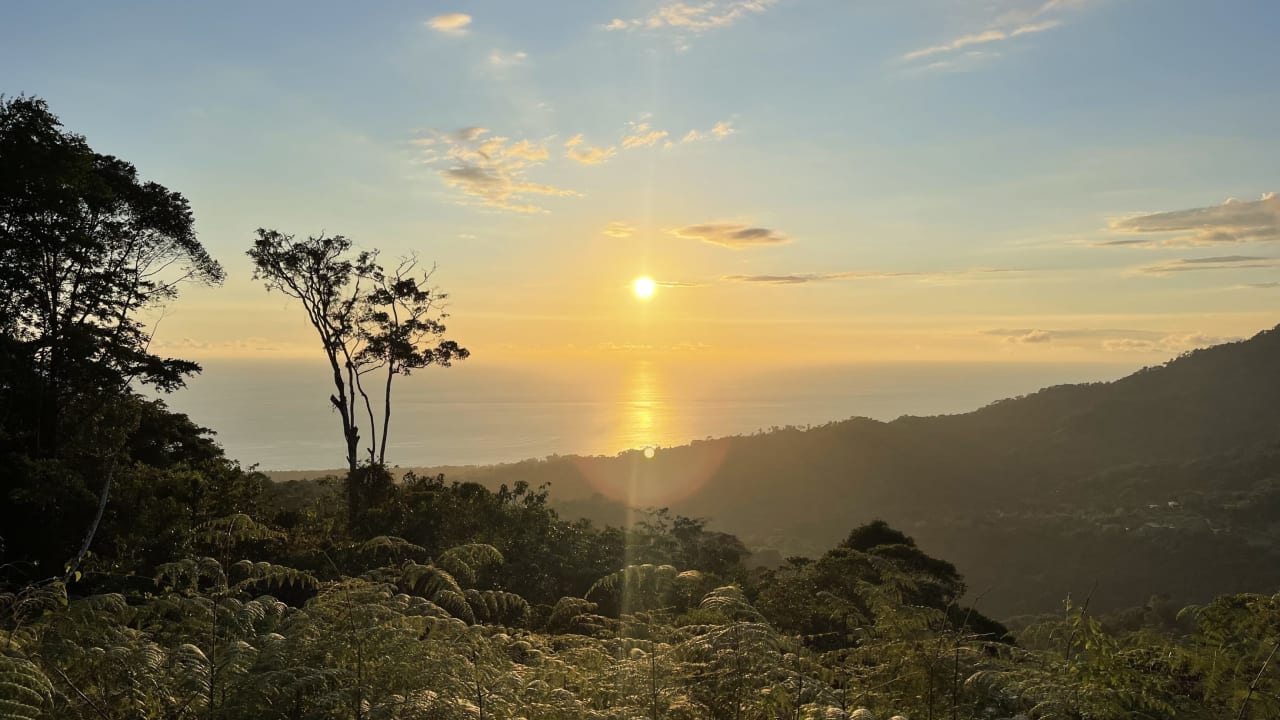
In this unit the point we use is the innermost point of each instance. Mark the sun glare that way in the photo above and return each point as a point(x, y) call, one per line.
point(643, 287)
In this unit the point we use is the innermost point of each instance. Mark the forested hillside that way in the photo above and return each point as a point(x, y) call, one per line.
point(1163, 482)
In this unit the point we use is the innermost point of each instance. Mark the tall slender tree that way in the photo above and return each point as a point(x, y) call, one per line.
point(369, 320)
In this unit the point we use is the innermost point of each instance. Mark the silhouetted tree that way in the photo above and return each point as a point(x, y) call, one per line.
point(85, 247)
point(368, 320)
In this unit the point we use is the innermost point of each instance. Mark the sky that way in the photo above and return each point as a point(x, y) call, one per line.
point(805, 180)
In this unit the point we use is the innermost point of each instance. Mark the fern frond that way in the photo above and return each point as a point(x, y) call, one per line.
point(456, 604)
point(466, 561)
point(24, 691)
point(188, 574)
point(267, 575)
point(731, 602)
point(428, 580)
point(390, 548)
point(225, 532)
point(496, 606)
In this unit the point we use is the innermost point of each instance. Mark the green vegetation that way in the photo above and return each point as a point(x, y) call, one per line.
point(145, 575)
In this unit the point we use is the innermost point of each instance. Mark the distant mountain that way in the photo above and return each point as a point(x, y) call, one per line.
point(1166, 481)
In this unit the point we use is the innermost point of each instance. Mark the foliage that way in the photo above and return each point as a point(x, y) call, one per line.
point(86, 248)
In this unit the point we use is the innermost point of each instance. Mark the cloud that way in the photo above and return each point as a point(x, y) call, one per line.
point(450, 23)
point(677, 284)
point(492, 171)
point(618, 229)
point(731, 235)
point(803, 278)
point(642, 135)
point(187, 344)
point(1028, 336)
point(786, 279)
point(1224, 262)
point(1040, 335)
point(1018, 20)
point(1173, 343)
point(499, 59)
point(1112, 339)
point(1033, 337)
point(693, 18)
point(467, 134)
point(638, 134)
point(1234, 221)
point(719, 131)
point(1260, 286)
point(982, 38)
point(577, 149)
point(722, 129)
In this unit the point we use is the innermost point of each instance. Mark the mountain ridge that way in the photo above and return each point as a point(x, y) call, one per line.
point(963, 483)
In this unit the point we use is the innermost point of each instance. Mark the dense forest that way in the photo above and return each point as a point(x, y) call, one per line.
point(143, 574)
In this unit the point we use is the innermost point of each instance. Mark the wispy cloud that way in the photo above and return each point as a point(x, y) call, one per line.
point(982, 38)
point(1234, 221)
point(450, 23)
point(1017, 19)
point(577, 149)
point(677, 284)
point(642, 135)
point(618, 229)
point(719, 131)
point(1030, 337)
point(731, 235)
point(1110, 339)
point(1223, 262)
point(499, 59)
point(804, 278)
point(694, 18)
point(786, 279)
point(490, 170)
point(638, 134)
point(237, 346)
point(1172, 343)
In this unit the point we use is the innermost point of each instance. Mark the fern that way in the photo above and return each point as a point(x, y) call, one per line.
point(227, 532)
point(496, 606)
point(428, 581)
point(262, 575)
point(390, 548)
point(24, 691)
point(466, 561)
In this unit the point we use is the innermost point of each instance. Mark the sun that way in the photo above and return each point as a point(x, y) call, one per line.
point(643, 287)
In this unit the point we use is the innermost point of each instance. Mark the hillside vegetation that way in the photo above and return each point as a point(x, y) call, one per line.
point(1161, 483)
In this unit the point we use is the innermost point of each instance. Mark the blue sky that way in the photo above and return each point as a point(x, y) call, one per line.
point(835, 179)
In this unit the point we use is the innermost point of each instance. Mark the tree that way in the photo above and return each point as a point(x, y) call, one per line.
point(369, 320)
point(86, 247)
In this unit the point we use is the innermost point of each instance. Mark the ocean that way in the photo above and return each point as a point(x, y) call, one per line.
point(276, 414)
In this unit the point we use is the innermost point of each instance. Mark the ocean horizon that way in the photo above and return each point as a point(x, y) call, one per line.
point(275, 414)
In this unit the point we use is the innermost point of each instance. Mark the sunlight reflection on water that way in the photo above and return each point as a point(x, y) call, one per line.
point(276, 413)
